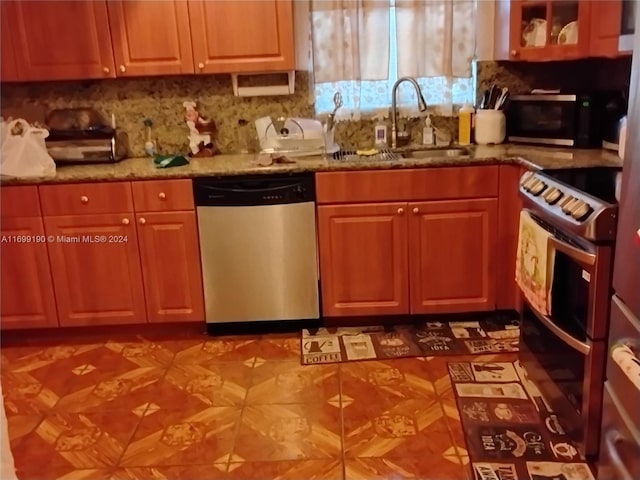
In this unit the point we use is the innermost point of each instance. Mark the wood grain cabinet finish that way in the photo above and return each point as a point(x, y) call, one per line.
point(96, 283)
point(606, 21)
point(170, 260)
point(452, 254)
point(150, 37)
point(162, 195)
point(27, 299)
point(246, 36)
point(9, 71)
point(363, 259)
point(61, 40)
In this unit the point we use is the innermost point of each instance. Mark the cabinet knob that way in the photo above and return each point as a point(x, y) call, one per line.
point(514, 53)
point(84, 199)
point(416, 210)
point(142, 220)
point(400, 211)
point(105, 69)
point(201, 65)
point(123, 68)
point(162, 195)
point(125, 221)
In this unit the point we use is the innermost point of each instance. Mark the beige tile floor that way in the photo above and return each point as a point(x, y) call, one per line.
point(198, 407)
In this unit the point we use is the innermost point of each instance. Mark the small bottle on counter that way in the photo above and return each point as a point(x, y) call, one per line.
point(465, 124)
point(380, 131)
point(427, 132)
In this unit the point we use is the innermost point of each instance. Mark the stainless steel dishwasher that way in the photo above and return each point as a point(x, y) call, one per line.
point(258, 248)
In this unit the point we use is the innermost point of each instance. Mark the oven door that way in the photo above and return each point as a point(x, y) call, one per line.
point(545, 119)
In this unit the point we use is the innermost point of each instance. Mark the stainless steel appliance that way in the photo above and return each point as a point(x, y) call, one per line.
point(620, 447)
point(564, 353)
point(258, 248)
point(571, 119)
point(93, 145)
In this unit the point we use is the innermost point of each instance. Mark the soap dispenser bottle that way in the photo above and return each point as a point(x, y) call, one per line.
point(380, 131)
point(427, 132)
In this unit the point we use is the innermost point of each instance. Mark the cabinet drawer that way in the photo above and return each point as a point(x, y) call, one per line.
point(83, 198)
point(162, 195)
point(411, 184)
point(619, 449)
point(19, 202)
point(624, 329)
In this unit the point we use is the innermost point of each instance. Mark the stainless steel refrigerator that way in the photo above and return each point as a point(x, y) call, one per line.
point(620, 437)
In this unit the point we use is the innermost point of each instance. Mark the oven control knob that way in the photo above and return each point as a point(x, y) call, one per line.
point(529, 183)
point(563, 203)
point(525, 177)
point(581, 211)
point(570, 206)
point(552, 195)
point(538, 188)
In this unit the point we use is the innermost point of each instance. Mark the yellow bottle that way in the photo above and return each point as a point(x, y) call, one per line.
point(465, 124)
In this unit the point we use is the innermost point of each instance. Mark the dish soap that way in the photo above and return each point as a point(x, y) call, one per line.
point(380, 131)
point(427, 132)
point(465, 124)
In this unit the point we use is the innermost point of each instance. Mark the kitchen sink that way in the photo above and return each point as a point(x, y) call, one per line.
point(436, 153)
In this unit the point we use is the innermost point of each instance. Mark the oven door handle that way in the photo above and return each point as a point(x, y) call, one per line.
point(610, 439)
point(561, 334)
point(576, 254)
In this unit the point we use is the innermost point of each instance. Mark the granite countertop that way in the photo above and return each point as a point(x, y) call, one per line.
point(537, 158)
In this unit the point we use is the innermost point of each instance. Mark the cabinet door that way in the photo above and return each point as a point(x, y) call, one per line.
point(171, 266)
point(9, 70)
point(546, 30)
point(61, 40)
point(26, 299)
point(150, 37)
point(606, 20)
point(363, 259)
point(247, 36)
point(452, 255)
point(96, 269)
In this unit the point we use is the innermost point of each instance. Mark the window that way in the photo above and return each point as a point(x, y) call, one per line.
point(444, 69)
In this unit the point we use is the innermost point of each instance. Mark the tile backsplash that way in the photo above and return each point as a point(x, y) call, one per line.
point(161, 98)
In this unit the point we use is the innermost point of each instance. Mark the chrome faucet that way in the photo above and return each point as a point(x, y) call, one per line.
point(422, 105)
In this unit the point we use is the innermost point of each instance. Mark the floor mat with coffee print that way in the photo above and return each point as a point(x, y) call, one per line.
point(510, 430)
point(346, 344)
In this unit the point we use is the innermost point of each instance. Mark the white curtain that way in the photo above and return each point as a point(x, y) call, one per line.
point(361, 47)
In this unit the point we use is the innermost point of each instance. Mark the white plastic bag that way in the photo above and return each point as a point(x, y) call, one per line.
point(25, 155)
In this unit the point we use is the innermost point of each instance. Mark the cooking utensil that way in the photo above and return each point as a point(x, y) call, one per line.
point(484, 100)
point(337, 103)
point(502, 98)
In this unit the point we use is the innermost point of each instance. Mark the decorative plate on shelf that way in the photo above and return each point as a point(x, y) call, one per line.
point(569, 34)
point(535, 34)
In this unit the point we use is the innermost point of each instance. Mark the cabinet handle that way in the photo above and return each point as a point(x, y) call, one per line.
point(84, 199)
point(201, 65)
point(142, 220)
point(105, 69)
point(123, 68)
point(514, 53)
point(162, 195)
point(400, 211)
point(125, 221)
point(416, 210)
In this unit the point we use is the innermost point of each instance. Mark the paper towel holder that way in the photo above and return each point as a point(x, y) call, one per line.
point(282, 89)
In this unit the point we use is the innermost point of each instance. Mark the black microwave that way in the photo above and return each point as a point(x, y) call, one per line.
point(572, 120)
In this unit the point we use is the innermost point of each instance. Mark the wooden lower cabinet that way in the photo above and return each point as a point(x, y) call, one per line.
point(96, 283)
point(452, 247)
point(363, 259)
point(27, 299)
point(171, 266)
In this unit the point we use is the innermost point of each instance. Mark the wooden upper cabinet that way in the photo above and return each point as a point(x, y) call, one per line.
point(534, 30)
point(242, 36)
point(61, 40)
point(171, 266)
point(452, 249)
point(150, 37)
point(606, 22)
point(27, 291)
point(363, 259)
point(9, 70)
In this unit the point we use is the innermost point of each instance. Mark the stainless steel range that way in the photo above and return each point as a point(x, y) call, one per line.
point(564, 352)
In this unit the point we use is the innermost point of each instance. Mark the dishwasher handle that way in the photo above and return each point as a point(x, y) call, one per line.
point(254, 190)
